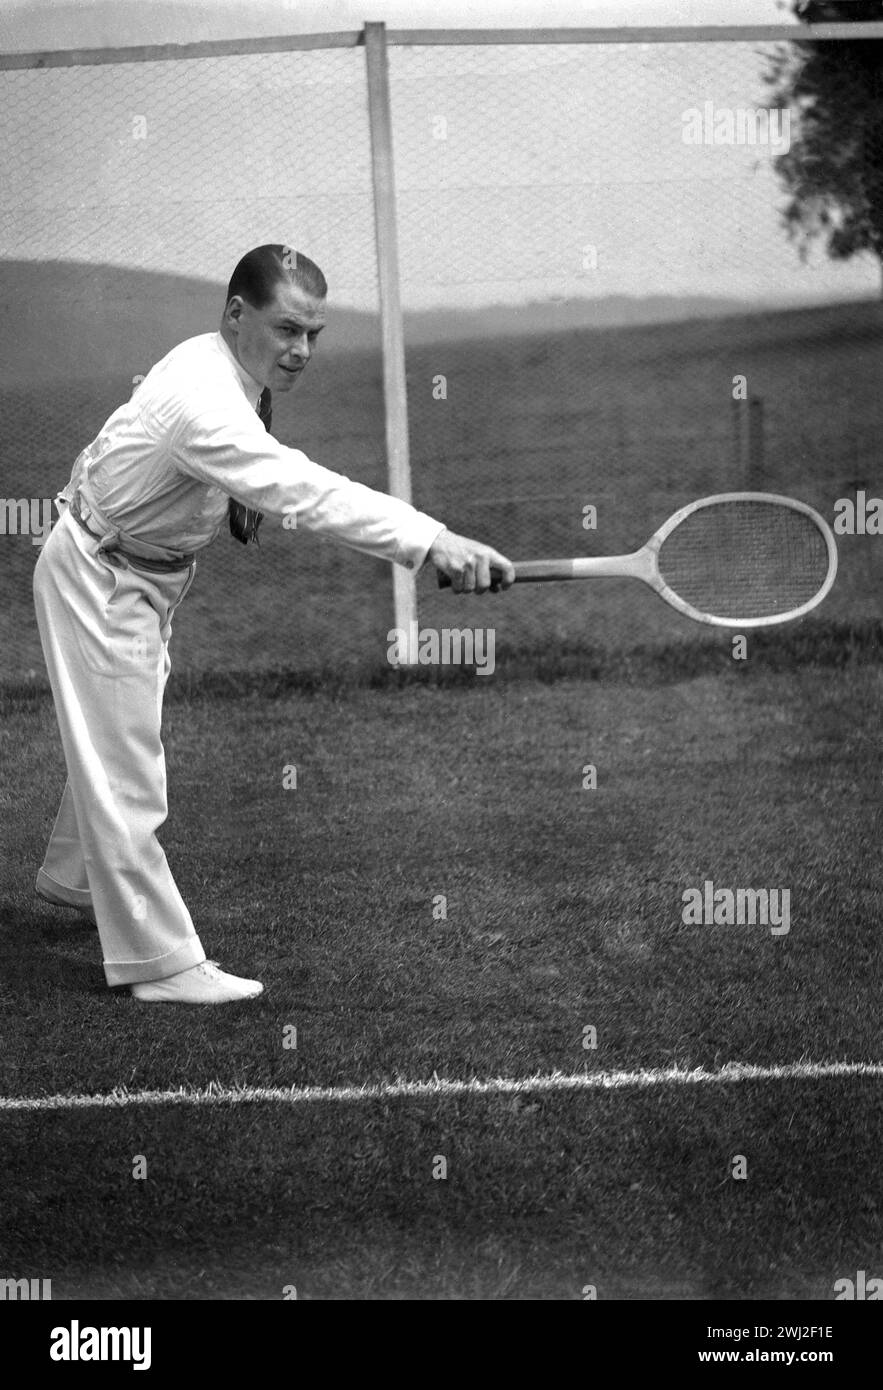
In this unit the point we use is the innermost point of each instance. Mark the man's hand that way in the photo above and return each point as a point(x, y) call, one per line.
point(472, 568)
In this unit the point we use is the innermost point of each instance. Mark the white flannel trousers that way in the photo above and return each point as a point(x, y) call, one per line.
point(105, 627)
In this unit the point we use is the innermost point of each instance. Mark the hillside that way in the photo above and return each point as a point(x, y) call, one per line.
point(82, 322)
point(635, 419)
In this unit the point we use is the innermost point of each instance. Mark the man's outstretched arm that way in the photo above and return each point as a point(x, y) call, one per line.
point(226, 445)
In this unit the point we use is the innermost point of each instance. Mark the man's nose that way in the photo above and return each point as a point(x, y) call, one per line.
point(300, 347)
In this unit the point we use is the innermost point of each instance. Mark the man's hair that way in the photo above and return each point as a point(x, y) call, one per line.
point(260, 272)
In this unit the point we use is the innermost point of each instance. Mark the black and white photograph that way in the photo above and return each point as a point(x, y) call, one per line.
point(441, 658)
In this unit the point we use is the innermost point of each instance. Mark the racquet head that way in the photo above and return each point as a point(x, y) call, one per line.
point(744, 559)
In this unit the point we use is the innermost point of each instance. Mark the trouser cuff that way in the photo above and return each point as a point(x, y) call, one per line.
point(77, 897)
point(130, 972)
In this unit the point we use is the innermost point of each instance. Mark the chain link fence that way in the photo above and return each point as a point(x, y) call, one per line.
point(582, 189)
point(593, 265)
point(130, 192)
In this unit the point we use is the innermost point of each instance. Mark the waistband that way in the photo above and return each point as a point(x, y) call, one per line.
point(114, 541)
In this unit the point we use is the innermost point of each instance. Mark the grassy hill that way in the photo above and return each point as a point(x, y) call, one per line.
point(86, 322)
point(636, 420)
point(82, 322)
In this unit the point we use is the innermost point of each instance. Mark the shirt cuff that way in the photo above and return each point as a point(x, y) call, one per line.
point(413, 548)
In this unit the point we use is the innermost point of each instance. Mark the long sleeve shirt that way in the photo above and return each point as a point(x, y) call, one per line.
point(162, 469)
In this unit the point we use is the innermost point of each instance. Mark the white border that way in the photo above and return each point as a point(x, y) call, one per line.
point(217, 1093)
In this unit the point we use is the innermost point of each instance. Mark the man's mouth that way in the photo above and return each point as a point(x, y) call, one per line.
point(292, 371)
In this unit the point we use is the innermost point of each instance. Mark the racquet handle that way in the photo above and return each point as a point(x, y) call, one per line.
point(528, 569)
point(444, 581)
point(640, 565)
point(536, 571)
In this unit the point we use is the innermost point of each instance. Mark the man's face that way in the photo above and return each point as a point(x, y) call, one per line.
point(275, 343)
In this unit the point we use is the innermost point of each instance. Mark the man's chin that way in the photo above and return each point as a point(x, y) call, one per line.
point(285, 379)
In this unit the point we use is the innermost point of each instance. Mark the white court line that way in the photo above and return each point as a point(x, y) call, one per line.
point(217, 1094)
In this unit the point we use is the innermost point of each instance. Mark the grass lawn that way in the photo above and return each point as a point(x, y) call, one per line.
point(563, 910)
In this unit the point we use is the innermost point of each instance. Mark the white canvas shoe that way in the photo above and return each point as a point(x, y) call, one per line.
point(201, 984)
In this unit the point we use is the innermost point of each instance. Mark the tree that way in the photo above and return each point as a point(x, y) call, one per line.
point(833, 169)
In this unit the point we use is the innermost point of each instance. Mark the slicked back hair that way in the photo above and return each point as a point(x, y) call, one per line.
point(260, 271)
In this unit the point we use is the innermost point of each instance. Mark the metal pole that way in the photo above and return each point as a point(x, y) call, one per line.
point(394, 388)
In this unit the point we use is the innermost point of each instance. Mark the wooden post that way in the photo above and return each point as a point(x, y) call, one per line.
point(755, 444)
point(746, 418)
point(738, 431)
point(394, 388)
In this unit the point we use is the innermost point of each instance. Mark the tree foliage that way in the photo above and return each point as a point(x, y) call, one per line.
point(833, 170)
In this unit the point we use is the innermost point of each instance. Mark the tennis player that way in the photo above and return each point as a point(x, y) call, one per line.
point(188, 453)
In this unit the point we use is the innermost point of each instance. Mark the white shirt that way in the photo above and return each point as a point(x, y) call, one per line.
point(164, 465)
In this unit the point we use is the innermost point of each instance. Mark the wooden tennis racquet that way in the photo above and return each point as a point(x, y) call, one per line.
point(737, 559)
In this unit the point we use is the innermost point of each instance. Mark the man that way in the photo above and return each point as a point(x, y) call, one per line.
point(169, 467)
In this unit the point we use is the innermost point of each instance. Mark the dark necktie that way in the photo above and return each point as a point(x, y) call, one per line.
point(244, 521)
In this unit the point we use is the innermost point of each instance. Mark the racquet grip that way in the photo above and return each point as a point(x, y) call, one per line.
point(445, 583)
point(533, 570)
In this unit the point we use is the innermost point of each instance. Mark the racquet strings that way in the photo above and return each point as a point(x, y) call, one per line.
point(745, 559)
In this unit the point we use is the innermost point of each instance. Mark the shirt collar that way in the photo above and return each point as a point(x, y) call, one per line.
point(251, 387)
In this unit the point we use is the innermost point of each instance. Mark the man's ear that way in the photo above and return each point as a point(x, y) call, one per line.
point(233, 312)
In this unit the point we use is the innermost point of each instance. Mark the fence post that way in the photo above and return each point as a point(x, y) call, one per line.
point(748, 442)
point(385, 231)
point(736, 428)
point(755, 444)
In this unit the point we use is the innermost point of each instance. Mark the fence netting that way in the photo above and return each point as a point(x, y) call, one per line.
point(580, 243)
point(129, 193)
point(577, 188)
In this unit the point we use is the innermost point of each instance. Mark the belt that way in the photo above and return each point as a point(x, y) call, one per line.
point(112, 542)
